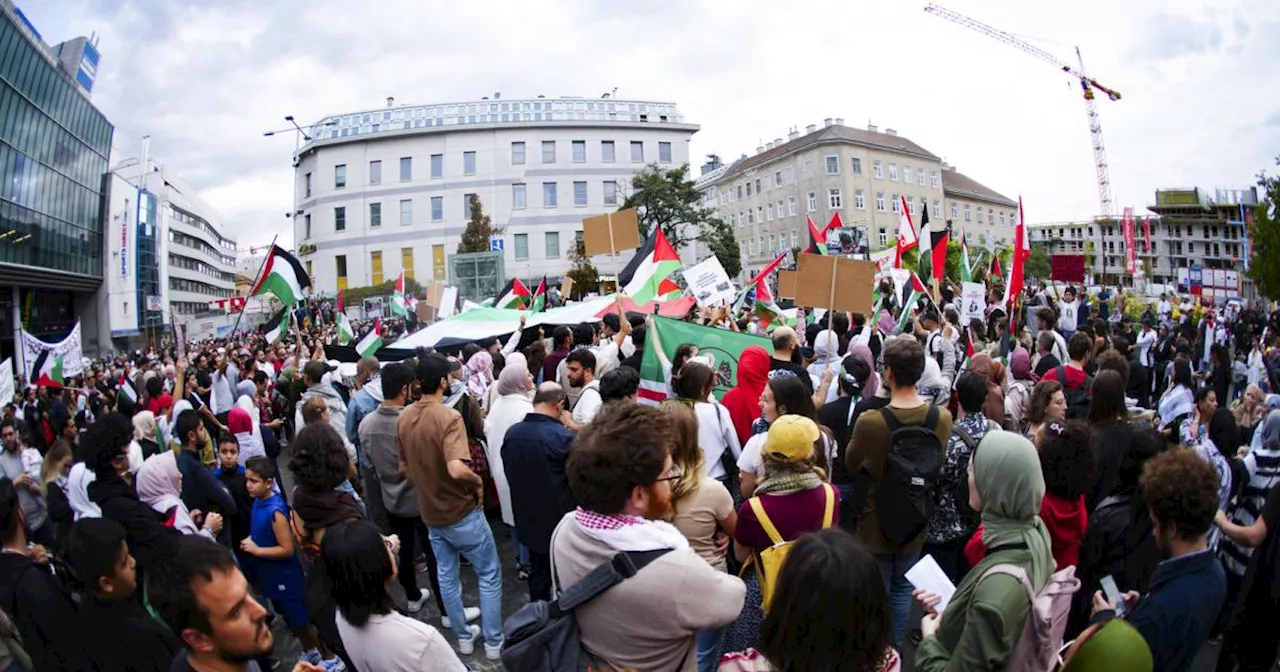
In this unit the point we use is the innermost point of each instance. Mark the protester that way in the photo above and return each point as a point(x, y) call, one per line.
point(693, 385)
point(784, 395)
point(364, 402)
point(837, 417)
point(580, 370)
point(22, 467)
point(509, 407)
point(621, 384)
point(1178, 401)
point(952, 521)
point(1016, 399)
point(1068, 466)
point(232, 477)
point(1047, 401)
point(158, 485)
point(53, 486)
point(743, 400)
point(200, 490)
point(1194, 432)
point(1114, 645)
point(1112, 433)
point(1251, 621)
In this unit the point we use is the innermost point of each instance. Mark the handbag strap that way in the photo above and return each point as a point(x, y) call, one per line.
point(763, 518)
point(605, 576)
point(828, 515)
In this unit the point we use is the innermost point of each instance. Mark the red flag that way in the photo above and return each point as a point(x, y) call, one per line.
point(835, 223)
point(1020, 254)
point(1146, 231)
point(995, 266)
point(340, 302)
point(817, 239)
point(938, 253)
point(907, 238)
point(764, 272)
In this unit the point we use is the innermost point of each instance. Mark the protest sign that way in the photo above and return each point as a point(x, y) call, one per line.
point(709, 283)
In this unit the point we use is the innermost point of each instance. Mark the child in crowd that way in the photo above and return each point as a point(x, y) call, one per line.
point(231, 475)
point(275, 563)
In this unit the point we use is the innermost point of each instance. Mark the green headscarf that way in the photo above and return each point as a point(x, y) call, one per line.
point(1006, 469)
point(1115, 645)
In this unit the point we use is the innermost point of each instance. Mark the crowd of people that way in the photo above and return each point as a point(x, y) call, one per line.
point(1117, 472)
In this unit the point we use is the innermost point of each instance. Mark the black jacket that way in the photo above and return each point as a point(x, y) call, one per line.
point(1118, 542)
point(148, 536)
point(60, 513)
point(533, 457)
point(151, 644)
point(1109, 443)
point(41, 606)
point(200, 489)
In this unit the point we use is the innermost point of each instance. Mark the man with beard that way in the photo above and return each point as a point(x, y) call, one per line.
point(202, 596)
point(1189, 586)
point(620, 472)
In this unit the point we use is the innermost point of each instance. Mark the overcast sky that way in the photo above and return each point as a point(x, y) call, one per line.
point(1200, 105)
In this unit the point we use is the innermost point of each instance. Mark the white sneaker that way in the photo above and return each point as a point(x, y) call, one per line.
point(467, 646)
point(472, 613)
point(416, 605)
point(493, 651)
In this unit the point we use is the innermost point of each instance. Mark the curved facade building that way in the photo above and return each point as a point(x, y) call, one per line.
point(386, 190)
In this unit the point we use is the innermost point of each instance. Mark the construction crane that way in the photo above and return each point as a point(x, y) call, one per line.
point(1087, 85)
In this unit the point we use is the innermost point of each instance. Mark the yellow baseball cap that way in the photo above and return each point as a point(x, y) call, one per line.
point(791, 438)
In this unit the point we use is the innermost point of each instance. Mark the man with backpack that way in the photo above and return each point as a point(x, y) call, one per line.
point(901, 447)
point(1075, 381)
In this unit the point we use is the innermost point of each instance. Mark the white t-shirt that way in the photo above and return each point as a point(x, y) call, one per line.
point(1067, 315)
point(589, 403)
point(1165, 309)
point(752, 458)
point(1146, 339)
point(397, 643)
point(715, 435)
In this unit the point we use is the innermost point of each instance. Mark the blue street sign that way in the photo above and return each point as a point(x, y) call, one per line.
point(497, 245)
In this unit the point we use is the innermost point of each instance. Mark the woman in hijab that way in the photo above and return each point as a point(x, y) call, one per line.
point(826, 352)
point(743, 401)
point(1006, 485)
point(1260, 471)
point(144, 433)
point(159, 484)
point(479, 375)
point(933, 386)
point(1178, 401)
point(864, 353)
point(240, 422)
point(78, 480)
point(1015, 401)
point(513, 403)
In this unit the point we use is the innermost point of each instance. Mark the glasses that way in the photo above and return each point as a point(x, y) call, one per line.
point(675, 476)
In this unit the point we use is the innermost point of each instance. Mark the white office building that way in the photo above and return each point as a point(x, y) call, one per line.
point(385, 190)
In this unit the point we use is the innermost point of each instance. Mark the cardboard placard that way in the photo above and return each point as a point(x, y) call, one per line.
point(709, 283)
point(435, 289)
point(425, 312)
point(786, 284)
point(835, 283)
point(566, 286)
point(625, 231)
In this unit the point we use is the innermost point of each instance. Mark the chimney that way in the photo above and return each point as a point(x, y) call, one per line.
point(839, 121)
point(391, 101)
point(826, 123)
point(777, 142)
point(793, 134)
point(871, 128)
point(890, 131)
point(760, 149)
point(810, 128)
point(768, 145)
point(946, 166)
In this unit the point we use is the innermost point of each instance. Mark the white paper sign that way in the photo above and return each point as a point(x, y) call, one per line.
point(973, 302)
point(448, 302)
point(709, 284)
point(6, 381)
point(927, 575)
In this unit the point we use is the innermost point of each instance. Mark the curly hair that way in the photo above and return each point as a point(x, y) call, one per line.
point(318, 459)
point(1181, 489)
point(1066, 459)
point(106, 439)
point(1041, 395)
point(625, 446)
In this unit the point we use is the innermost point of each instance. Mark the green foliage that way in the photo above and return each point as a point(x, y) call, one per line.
point(720, 240)
point(1037, 265)
point(354, 295)
point(479, 230)
point(586, 278)
point(1265, 238)
point(667, 198)
point(911, 258)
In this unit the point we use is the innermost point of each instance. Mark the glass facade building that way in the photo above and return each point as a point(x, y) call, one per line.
point(54, 148)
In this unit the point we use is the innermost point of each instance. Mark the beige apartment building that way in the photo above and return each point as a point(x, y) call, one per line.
point(862, 174)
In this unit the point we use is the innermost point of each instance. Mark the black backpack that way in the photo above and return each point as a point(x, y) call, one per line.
point(905, 494)
point(968, 516)
point(1077, 397)
point(543, 636)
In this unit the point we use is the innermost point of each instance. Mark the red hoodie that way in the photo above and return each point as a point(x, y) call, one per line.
point(743, 401)
point(1066, 521)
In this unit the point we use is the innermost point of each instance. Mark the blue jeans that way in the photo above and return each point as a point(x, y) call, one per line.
point(522, 551)
point(893, 569)
point(708, 648)
point(473, 538)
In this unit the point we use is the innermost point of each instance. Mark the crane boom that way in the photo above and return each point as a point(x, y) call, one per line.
point(1087, 86)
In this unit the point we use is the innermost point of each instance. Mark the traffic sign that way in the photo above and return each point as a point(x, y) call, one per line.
point(497, 245)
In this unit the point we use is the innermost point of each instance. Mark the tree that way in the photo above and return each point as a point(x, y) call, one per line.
point(354, 295)
point(720, 240)
point(479, 229)
point(1264, 238)
point(668, 199)
point(1037, 265)
point(586, 278)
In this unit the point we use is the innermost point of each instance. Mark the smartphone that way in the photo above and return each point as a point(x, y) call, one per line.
point(1113, 594)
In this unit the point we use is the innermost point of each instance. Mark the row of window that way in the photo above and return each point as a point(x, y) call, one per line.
point(29, 183)
point(520, 241)
point(194, 243)
point(195, 287)
point(30, 238)
point(179, 261)
point(835, 201)
point(784, 176)
point(518, 158)
point(199, 223)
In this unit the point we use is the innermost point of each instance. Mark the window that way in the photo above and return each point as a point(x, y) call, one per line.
point(742, 221)
point(991, 215)
point(553, 244)
point(833, 165)
point(375, 216)
point(893, 172)
point(906, 174)
point(777, 179)
point(579, 151)
point(780, 210)
point(791, 205)
point(340, 176)
point(811, 205)
point(877, 169)
point(895, 203)
point(739, 193)
point(758, 189)
point(884, 237)
point(579, 194)
point(807, 169)
point(748, 189)
point(437, 208)
point(522, 246)
point(306, 180)
point(879, 201)
point(519, 196)
point(466, 206)
point(933, 179)
point(859, 199)
point(375, 267)
point(517, 153)
point(437, 166)
point(548, 194)
point(340, 265)
point(637, 151)
point(967, 210)
point(920, 174)
point(406, 262)
point(606, 151)
point(911, 204)
point(835, 199)
point(760, 214)
point(548, 151)
point(339, 219)
point(664, 152)
point(406, 168)
point(981, 218)
point(937, 208)
point(307, 225)
point(795, 238)
point(955, 211)
point(751, 216)
point(406, 211)
point(375, 172)
point(610, 192)
point(768, 213)
point(468, 163)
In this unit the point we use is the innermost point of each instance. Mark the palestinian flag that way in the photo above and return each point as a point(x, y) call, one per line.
point(1021, 250)
point(995, 271)
point(938, 252)
point(835, 224)
point(398, 304)
point(817, 239)
point(282, 275)
point(766, 307)
point(763, 274)
point(671, 333)
point(540, 296)
point(345, 334)
point(966, 273)
point(279, 326)
point(129, 389)
point(912, 293)
point(968, 352)
point(47, 370)
point(372, 341)
point(515, 295)
point(906, 233)
point(655, 261)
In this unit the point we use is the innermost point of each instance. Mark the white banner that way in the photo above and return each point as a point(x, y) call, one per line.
point(973, 302)
point(448, 302)
point(6, 381)
point(68, 350)
point(709, 283)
